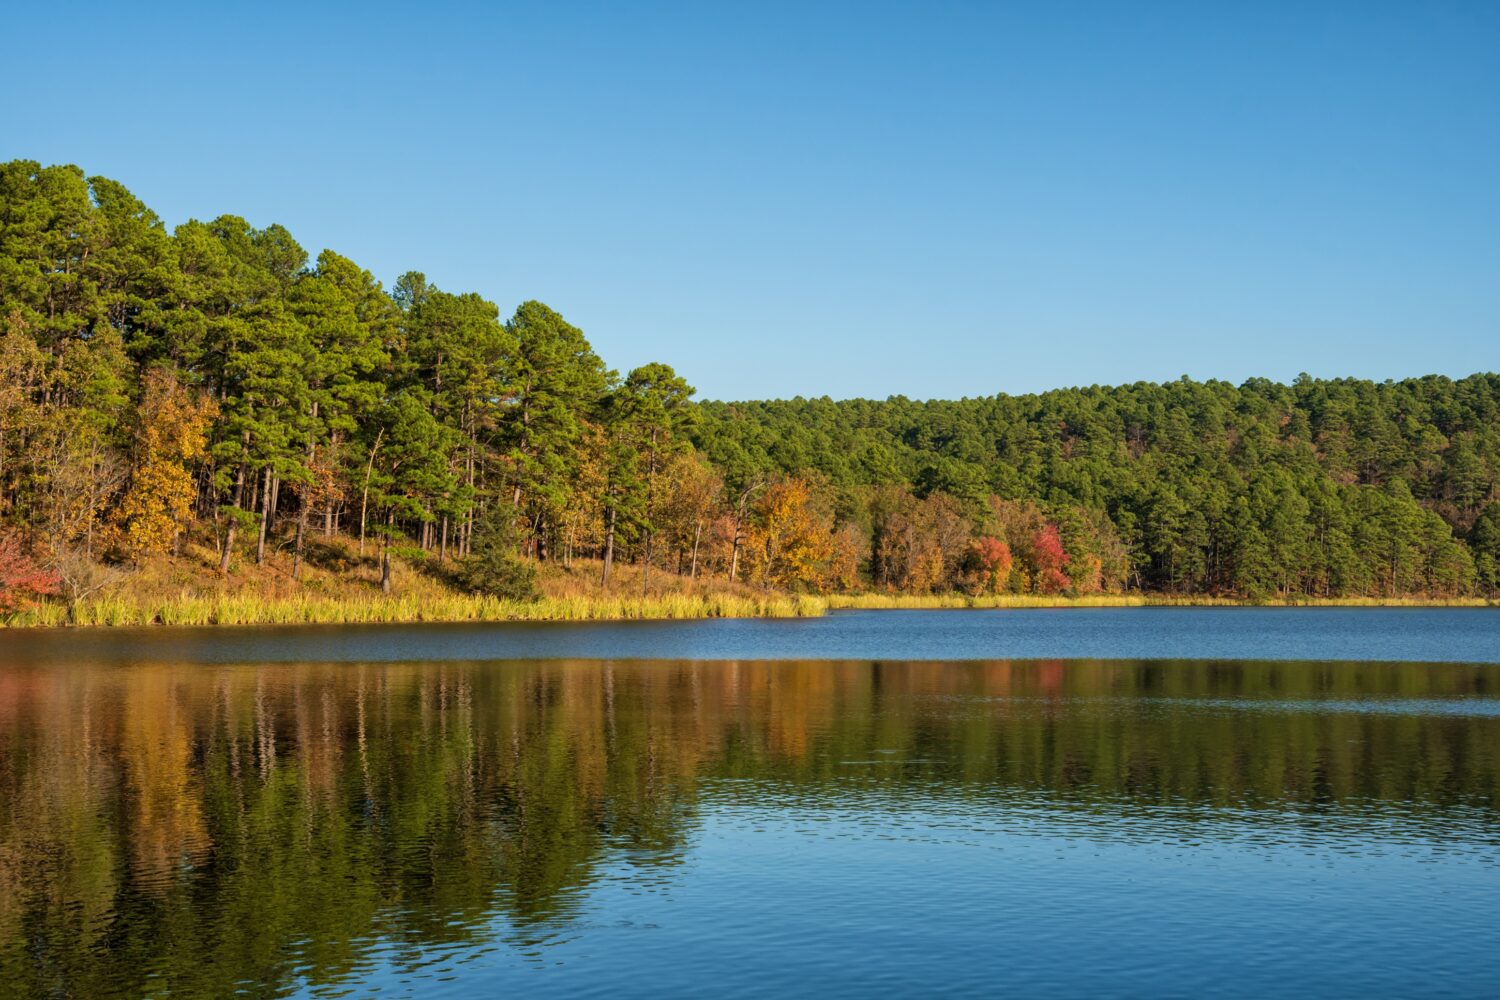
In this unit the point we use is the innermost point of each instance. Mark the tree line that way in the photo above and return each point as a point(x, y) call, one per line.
point(1322, 487)
point(214, 382)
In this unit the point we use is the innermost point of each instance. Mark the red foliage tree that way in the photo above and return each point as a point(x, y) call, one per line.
point(22, 580)
point(988, 559)
point(1050, 559)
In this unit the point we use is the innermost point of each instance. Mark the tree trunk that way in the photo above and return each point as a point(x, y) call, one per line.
point(275, 503)
point(609, 550)
point(646, 563)
point(739, 536)
point(303, 504)
point(297, 549)
point(265, 515)
point(465, 525)
point(650, 502)
point(364, 498)
point(239, 495)
point(385, 555)
point(697, 536)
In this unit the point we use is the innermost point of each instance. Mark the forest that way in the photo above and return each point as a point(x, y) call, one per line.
point(213, 389)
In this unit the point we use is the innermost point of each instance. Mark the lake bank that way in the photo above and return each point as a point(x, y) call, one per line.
point(917, 602)
point(239, 608)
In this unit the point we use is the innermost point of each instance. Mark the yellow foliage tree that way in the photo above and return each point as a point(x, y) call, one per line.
point(172, 432)
point(791, 538)
point(579, 514)
point(684, 507)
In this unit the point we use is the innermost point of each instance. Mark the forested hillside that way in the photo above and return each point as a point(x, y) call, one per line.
point(1319, 487)
point(213, 386)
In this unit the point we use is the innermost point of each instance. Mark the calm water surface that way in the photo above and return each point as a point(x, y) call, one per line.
point(1461, 635)
point(465, 811)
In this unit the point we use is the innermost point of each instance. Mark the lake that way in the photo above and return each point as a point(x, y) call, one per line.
point(1138, 802)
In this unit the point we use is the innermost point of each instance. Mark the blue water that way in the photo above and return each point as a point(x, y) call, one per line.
point(1461, 635)
point(1137, 802)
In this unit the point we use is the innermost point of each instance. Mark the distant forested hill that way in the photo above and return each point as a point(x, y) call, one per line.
point(213, 388)
point(1322, 486)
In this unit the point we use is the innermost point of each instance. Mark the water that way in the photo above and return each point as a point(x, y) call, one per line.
point(1460, 635)
point(427, 818)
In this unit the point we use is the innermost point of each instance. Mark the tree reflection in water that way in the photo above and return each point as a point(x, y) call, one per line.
point(260, 827)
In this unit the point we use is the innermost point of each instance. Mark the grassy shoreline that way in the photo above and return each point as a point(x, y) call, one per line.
point(190, 609)
point(1017, 601)
point(240, 609)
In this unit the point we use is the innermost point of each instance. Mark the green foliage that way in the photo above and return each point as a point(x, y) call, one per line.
point(1484, 540)
point(492, 566)
point(1322, 487)
point(403, 414)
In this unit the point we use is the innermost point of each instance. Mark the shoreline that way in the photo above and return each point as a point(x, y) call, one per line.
point(193, 610)
point(240, 609)
point(915, 602)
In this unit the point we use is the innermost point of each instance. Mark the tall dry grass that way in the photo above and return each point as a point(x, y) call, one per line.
point(935, 601)
point(339, 586)
point(250, 609)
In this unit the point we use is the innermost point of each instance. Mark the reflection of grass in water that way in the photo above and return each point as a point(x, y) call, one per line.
point(1460, 706)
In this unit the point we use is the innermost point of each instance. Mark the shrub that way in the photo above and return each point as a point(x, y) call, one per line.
point(22, 579)
point(492, 566)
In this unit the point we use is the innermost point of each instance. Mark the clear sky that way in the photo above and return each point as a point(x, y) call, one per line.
point(860, 199)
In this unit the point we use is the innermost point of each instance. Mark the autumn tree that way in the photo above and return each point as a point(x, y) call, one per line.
point(683, 506)
point(849, 548)
point(986, 565)
point(791, 538)
point(171, 434)
point(581, 516)
point(22, 578)
point(1049, 561)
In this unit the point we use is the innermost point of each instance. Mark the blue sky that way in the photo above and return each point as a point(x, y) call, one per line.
point(864, 199)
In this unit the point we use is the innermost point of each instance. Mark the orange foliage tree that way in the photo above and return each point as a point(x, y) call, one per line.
point(986, 564)
point(849, 547)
